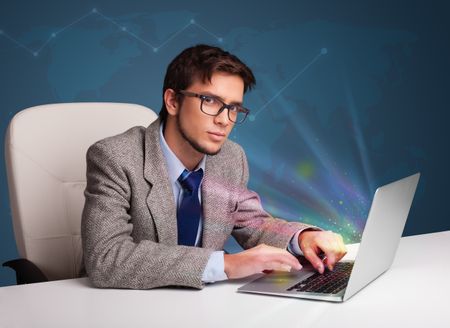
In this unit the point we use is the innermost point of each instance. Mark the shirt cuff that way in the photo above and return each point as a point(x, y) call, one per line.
point(215, 268)
point(293, 246)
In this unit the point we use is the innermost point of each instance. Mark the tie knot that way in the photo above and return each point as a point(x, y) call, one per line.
point(189, 180)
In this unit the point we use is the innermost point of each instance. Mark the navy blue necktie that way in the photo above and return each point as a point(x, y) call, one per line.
point(188, 215)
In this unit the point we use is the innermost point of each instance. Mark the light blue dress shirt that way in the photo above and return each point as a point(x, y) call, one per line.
point(215, 268)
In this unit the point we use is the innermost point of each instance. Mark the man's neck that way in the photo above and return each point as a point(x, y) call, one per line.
point(187, 155)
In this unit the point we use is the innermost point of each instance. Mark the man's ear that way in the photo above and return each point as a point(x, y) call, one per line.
point(171, 102)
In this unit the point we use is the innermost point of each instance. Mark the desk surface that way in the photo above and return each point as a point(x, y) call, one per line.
point(400, 297)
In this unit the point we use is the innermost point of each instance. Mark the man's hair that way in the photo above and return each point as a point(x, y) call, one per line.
point(200, 63)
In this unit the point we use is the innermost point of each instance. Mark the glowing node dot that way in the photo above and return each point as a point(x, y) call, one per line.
point(155, 49)
point(35, 54)
point(53, 35)
point(192, 21)
point(220, 39)
point(123, 28)
point(323, 51)
point(1, 32)
point(94, 10)
point(252, 118)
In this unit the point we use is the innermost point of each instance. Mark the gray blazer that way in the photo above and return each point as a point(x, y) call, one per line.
point(129, 221)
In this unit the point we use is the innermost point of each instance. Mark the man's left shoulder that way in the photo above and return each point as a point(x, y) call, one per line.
point(231, 149)
point(229, 166)
point(229, 163)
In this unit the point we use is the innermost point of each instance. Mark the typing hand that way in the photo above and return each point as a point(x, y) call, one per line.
point(258, 259)
point(313, 243)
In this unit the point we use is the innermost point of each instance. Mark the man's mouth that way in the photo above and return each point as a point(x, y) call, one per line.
point(217, 136)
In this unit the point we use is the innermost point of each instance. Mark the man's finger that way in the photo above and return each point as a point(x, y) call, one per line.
point(312, 257)
point(276, 266)
point(273, 254)
point(287, 259)
point(334, 249)
point(343, 247)
point(340, 250)
point(333, 255)
point(330, 261)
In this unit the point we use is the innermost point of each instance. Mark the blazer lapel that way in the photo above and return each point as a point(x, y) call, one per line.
point(160, 198)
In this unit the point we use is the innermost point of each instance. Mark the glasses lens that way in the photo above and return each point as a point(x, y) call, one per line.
point(211, 105)
point(237, 114)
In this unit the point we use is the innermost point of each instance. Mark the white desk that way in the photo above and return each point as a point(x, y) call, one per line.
point(401, 297)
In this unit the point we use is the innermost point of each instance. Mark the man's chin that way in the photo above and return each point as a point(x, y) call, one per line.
point(211, 151)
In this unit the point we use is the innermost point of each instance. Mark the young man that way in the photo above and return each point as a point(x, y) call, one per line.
point(162, 201)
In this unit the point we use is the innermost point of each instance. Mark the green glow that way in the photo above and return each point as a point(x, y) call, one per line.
point(305, 170)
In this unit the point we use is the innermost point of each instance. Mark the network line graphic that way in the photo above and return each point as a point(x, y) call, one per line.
point(322, 52)
point(121, 27)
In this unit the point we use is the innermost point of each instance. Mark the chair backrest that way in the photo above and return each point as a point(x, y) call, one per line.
point(45, 151)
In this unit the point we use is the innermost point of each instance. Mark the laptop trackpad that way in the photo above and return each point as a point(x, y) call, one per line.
point(279, 281)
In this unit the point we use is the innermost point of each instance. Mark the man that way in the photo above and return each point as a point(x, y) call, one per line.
point(162, 201)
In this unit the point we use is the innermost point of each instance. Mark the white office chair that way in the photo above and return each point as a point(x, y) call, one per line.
point(45, 148)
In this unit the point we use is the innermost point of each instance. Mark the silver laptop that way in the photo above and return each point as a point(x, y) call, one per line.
point(379, 242)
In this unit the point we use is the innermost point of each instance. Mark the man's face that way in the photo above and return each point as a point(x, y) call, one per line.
point(205, 133)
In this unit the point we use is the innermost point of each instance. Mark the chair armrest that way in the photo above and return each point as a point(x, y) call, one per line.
point(26, 271)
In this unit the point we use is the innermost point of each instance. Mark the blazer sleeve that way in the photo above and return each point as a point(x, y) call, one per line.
point(253, 225)
point(112, 258)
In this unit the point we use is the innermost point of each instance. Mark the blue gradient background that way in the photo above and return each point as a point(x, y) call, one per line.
point(349, 95)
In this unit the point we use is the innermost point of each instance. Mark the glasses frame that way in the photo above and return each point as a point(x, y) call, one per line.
point(222, 108)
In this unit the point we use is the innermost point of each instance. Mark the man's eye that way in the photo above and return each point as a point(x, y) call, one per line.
point(209, 100)
point(234, 108)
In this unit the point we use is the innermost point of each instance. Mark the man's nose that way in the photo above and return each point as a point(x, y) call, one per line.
point(222, 118)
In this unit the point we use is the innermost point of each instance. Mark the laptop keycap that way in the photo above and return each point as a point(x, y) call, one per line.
point(330, 282)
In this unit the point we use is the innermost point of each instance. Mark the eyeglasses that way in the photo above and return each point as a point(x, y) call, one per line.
point(211, 105)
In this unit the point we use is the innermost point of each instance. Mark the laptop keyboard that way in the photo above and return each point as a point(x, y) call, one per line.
point(330, 282)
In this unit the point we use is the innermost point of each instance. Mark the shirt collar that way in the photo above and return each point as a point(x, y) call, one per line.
point(174, 165)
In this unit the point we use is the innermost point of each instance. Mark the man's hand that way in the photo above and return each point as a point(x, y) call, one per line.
point(313, 243)
point(258, 259)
